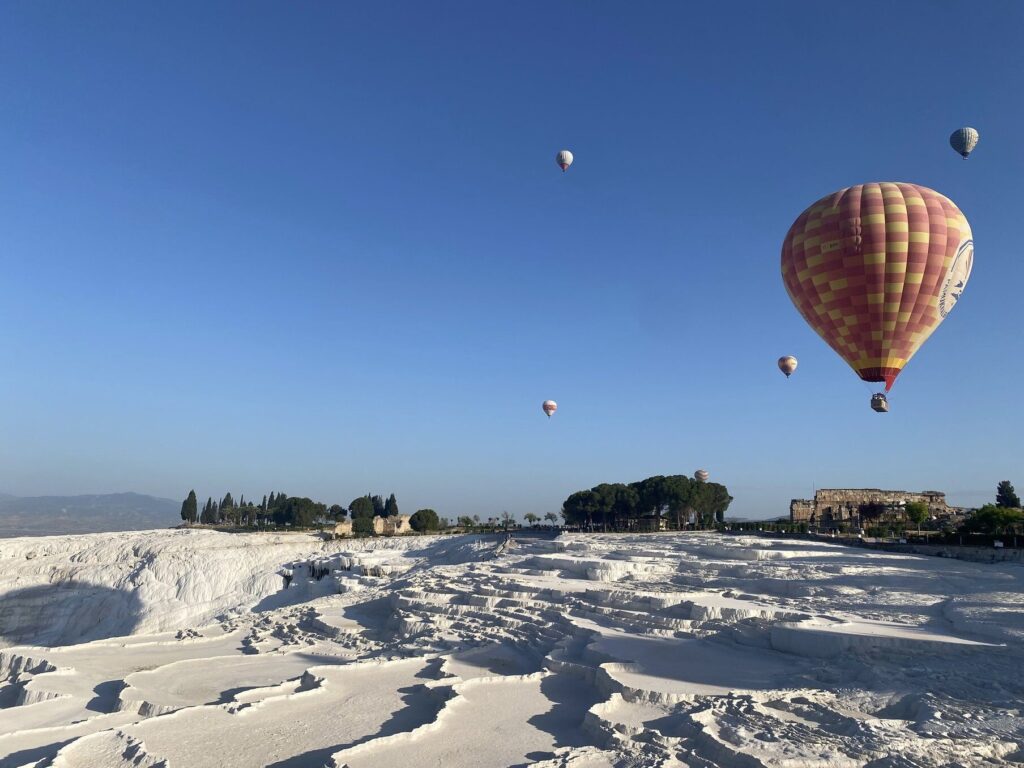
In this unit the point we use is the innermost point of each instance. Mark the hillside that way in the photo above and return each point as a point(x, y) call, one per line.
point(97, 513)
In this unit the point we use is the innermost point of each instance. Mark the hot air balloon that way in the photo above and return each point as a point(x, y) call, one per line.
point(964, 140)
point(564, 159)
point(787, 364)
point(875, 268)
point(701, 475)
point(549, 407)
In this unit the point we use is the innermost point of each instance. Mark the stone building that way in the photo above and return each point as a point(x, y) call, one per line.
point(391, 526)
point(855, 508)
point(342, 529)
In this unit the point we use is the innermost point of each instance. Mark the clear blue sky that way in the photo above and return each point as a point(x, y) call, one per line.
point(324, 247)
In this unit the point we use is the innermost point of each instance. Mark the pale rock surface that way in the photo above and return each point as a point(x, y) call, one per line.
point(186, 649)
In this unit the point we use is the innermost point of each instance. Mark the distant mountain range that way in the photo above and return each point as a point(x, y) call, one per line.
point(53, 515)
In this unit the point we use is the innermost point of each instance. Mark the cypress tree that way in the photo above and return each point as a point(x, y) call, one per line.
point(378, 505)
point(1006, 496)
point(391, 507)
point(188, 508)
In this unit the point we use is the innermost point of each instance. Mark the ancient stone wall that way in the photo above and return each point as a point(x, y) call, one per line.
point(800, 510)
point(856, 507)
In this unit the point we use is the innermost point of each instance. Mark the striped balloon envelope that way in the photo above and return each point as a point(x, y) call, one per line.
point(875, 268)
point(701, 475)
point(564, 159)
point(787, 364)
point(964, 140)
point(549, 407)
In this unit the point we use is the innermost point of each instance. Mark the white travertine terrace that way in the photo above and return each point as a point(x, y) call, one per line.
point(186, 649)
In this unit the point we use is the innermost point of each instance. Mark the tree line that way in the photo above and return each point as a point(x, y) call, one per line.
point(676, 499)
point(280, 509)
point(1005, 516)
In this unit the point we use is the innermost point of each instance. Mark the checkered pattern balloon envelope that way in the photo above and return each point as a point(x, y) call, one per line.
point(875, 268)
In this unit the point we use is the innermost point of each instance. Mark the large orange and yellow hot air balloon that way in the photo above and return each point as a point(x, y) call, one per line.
point(875, 268)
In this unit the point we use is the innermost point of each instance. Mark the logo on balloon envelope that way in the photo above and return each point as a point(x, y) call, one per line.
point(957, 278)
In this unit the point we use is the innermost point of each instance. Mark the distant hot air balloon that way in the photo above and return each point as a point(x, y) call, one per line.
point(564, 159)
point(875, 268)
point(787, 364)
point(549, 406)
point(701, 475)
point(964, 140)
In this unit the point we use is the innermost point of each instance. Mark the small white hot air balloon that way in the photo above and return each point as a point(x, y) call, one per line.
point(701, 475)
point(564, 159)
point(787, 364)
point(549, 406)
point(964, 140)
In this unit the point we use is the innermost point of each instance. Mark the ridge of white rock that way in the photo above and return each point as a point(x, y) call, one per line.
point(175, 649)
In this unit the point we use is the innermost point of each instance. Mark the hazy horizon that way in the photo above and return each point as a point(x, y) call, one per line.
point(325, 249)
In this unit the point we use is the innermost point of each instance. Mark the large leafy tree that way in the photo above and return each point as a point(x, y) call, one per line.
point(580, 507)
point(993, 518)
point(651, 495)
point(1006, 496)
point(917, 513)
point(425, 520)
point(710, 501)
point(299, 511)
point(361, 507)
point(678, 492)
point(363, 525)
point(337, 511)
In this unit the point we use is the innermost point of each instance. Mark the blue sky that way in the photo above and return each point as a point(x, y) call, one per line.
point(324, 247)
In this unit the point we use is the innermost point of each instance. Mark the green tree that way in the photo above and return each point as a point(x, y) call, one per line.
point(710, 501)
point(651, 496)
point(992, 519)
point(917, 513)
point(189, 511)
point(378, 506)
point(361, 507)
point(209, 515)
point(363, 525)
point(679, 492)
point(299, 512)
point(580, 508)
point(551, 517)
point(531, 518)
point(465, 521)
point(507, 519)
point(1006, 496)
point(391, 506)
point(424, 520)
point(227, 502)
point(338, 512)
